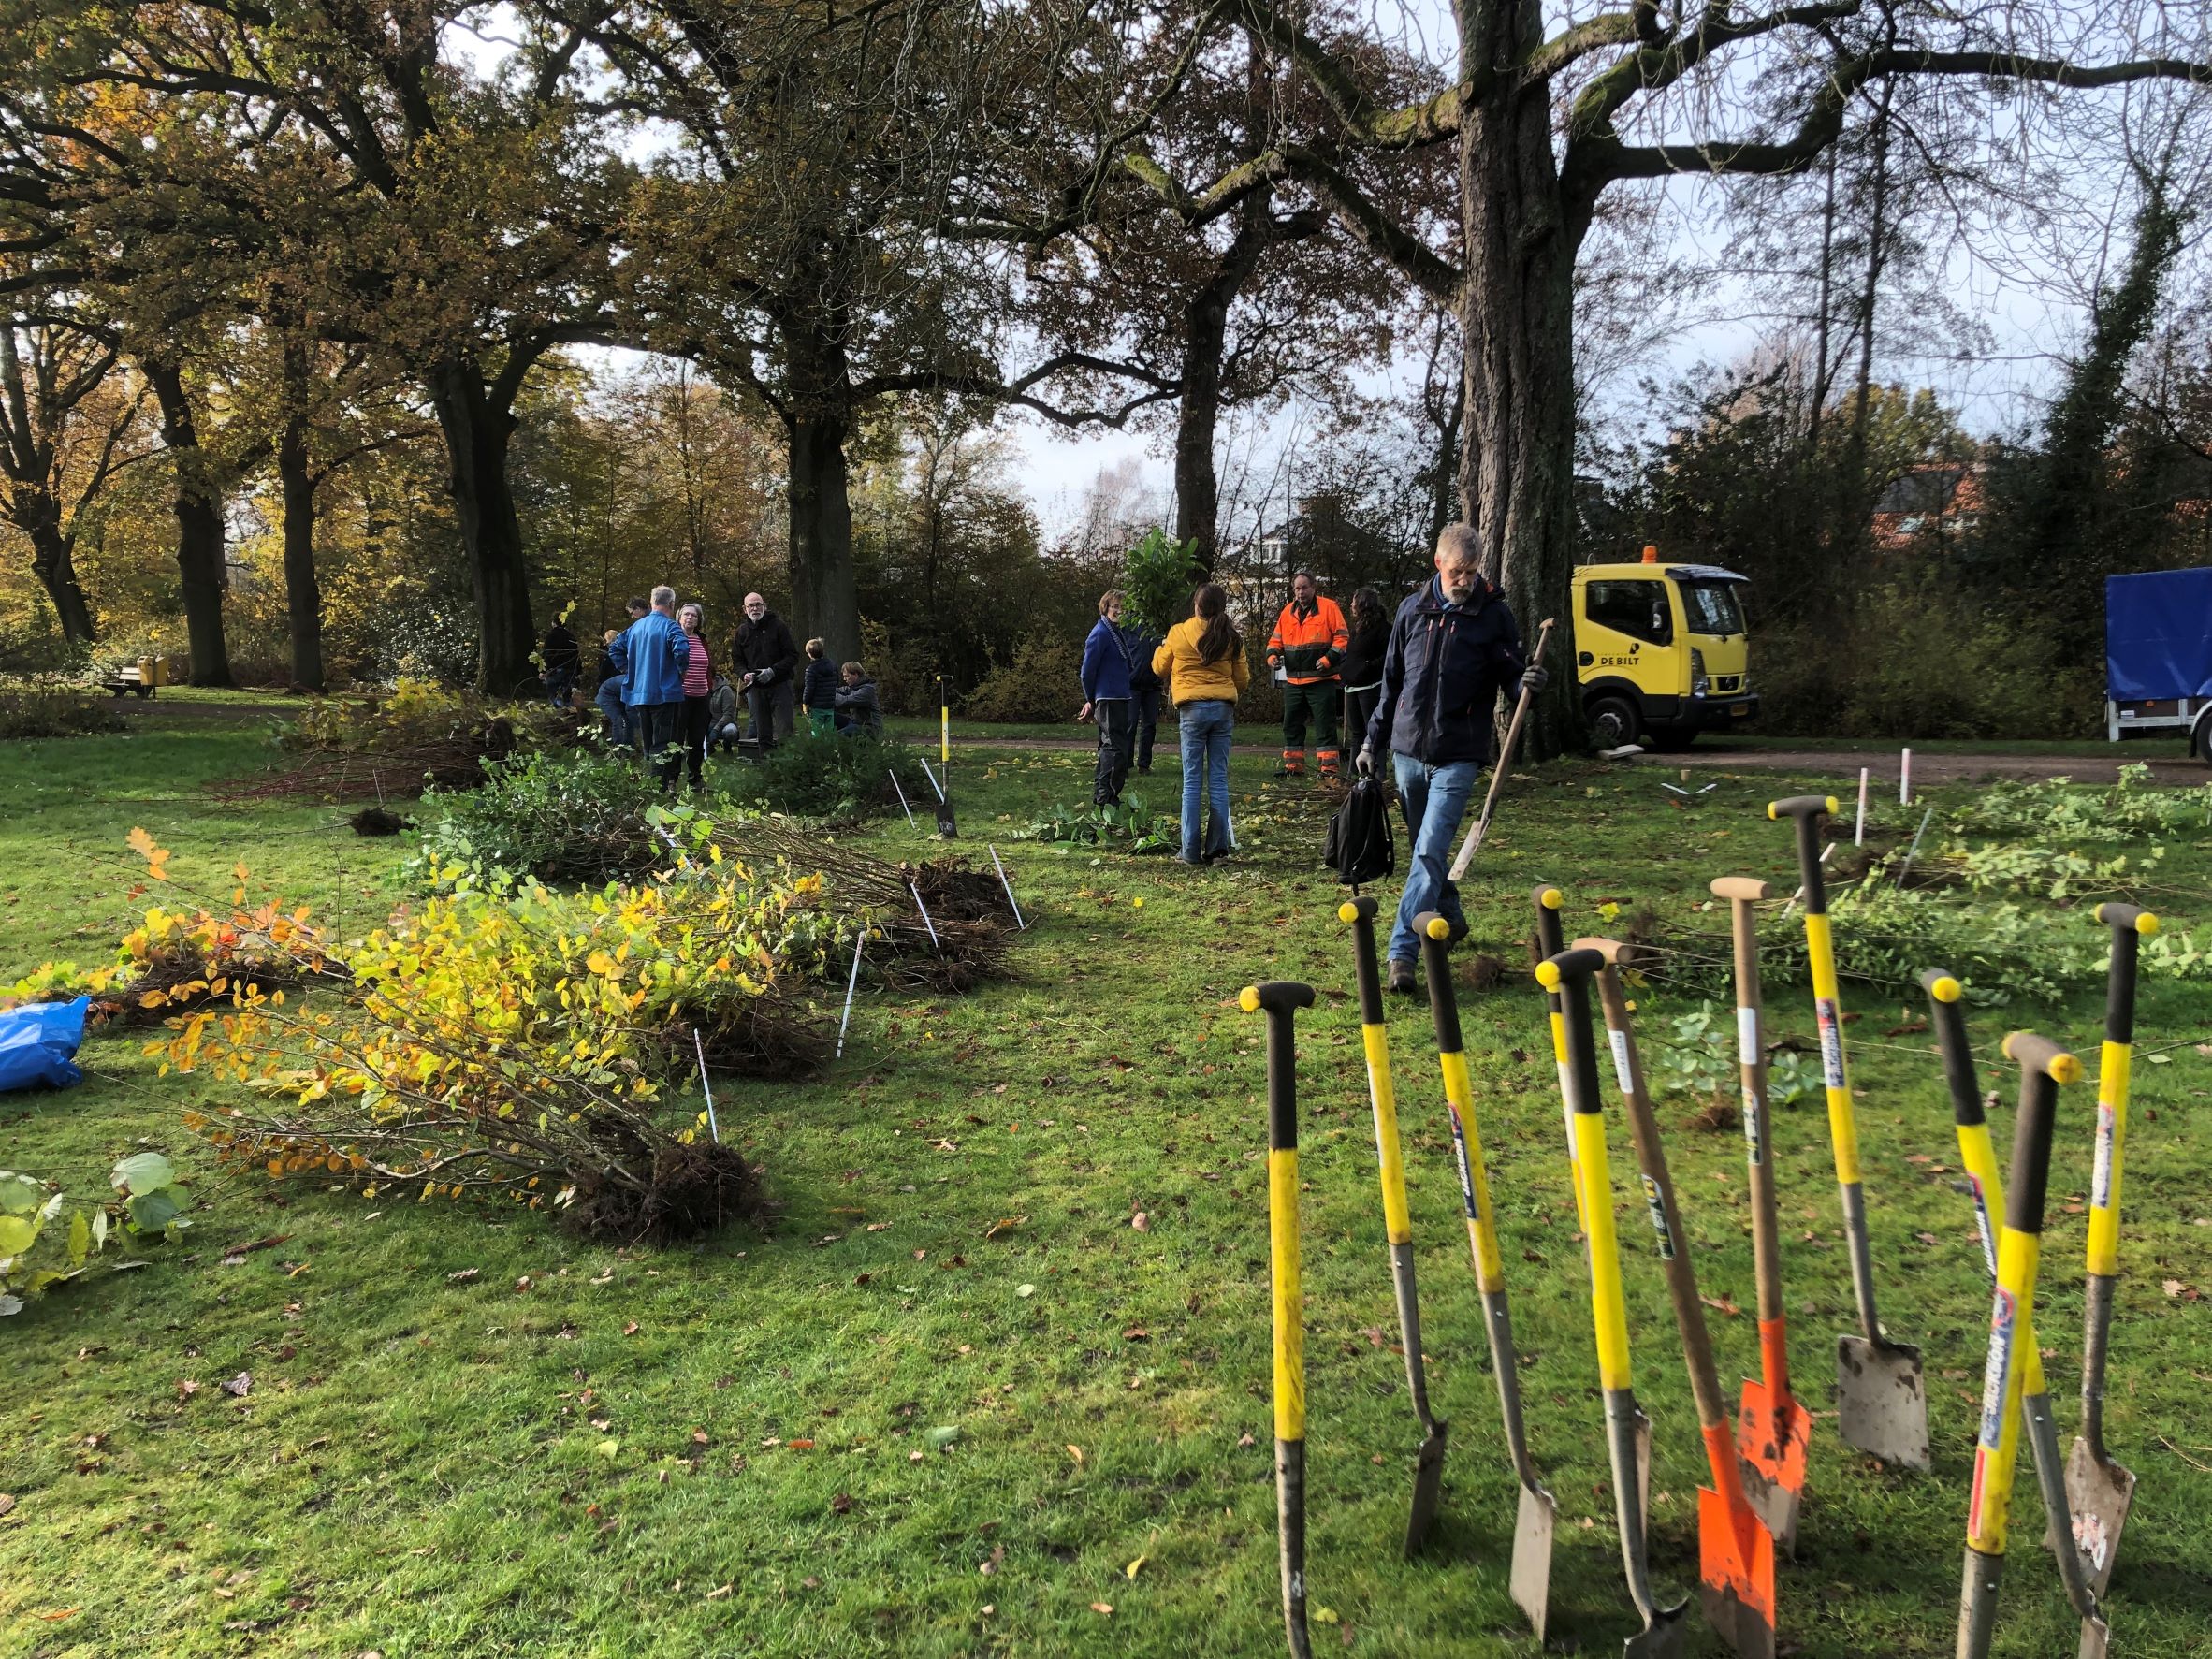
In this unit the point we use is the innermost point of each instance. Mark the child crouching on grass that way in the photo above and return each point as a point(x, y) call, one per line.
point(820, 693)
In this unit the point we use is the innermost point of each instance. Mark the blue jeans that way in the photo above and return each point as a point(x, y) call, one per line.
point(617, 717)
point(1435, 799)
point(1206, 729)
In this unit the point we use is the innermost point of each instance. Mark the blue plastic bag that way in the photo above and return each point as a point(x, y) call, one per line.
point(39, 1044)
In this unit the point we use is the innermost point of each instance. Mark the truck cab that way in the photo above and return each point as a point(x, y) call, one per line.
point(1661, 651)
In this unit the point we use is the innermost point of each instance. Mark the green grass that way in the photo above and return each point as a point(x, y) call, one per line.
point(420, 1467)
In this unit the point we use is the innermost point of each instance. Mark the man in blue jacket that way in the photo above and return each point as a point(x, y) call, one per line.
point(652, 654)
point(1106, 698)
point(1453, 647)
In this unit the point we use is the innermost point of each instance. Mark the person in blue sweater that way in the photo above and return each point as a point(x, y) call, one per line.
point(652, 654)
point(1106, 699)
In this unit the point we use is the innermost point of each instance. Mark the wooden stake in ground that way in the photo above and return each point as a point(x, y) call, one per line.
point(1490, 802)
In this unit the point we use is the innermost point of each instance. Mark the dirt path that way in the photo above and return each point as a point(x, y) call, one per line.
point(1882, 764)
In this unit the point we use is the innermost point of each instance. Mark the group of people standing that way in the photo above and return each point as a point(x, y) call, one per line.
point(662, 690)
point(1420, 686)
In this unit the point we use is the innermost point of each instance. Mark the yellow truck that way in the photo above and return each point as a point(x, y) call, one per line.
point(1660, 652)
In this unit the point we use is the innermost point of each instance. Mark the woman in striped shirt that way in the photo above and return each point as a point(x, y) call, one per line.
point(698, 691)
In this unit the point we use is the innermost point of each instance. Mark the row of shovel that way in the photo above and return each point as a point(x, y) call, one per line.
point(1758, 1463)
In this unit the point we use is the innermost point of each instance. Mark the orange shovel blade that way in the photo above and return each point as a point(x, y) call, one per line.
point(1736, 1573)
point(1774, 1432)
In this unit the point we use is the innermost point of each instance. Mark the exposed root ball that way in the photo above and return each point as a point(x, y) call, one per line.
point(375, 821)
point(692, 1190)
point(1484, 972)
point(1720, 1115)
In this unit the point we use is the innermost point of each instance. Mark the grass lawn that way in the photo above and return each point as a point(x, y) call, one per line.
point(721, 1449)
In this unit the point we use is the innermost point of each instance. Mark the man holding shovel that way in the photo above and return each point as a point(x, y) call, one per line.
point(1453, 647)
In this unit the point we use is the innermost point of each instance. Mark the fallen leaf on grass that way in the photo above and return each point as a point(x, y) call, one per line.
point(938, 1438)
point(1004, 1225)
point(1102, 1607)
point(1721, 1304)
point(801, 1445)
point(59, 1614)
point(841, 1504)
point(187, 1387)
point(467, 1273)
point(1326, 1616)
point(1136, 1334)
point(7, 1500)
point(1140, 1221)
point(1025, 1290)
point(721, 1595)
point(1927, 1237)
point(631, 1328)
point(240, 1386)
point(2176, 1289)
point(1073, 1451)
point(1130, 1571)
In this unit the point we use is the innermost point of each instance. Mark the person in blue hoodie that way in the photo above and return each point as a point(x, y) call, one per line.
point(1106, 699)
point(651, 655)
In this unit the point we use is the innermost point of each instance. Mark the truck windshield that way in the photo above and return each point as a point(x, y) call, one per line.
point(1711, 607)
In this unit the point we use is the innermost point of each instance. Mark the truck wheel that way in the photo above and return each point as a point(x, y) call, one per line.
point(1613, 720)
point(2200, 737)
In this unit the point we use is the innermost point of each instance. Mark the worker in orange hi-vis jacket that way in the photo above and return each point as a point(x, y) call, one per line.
point(1308, 648)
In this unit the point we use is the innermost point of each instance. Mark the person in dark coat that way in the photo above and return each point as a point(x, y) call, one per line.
point(1145, 693)
point(1453, 647)
point(765, 658)
point(857, 708)
point(561, 657)
point(1367, 630)
point(820, 694)
point(610, 694)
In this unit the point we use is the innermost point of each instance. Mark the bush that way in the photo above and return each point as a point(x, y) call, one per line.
point(44, 709)
point(833, 776)
point(1157, 581)
point(575, 815)
point(147, 1203)
point(1042, 686)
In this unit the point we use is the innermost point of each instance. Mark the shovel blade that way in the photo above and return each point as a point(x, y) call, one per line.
point(1773, 1434)
point(1736, 1576)
point(946, 826)
point(1428, 1486)
point(2095, 1633)
point(2098, 1495)
point(1660, 1639)
point(1532, 1530)
point(1881, 1404)
point(1643, 1469)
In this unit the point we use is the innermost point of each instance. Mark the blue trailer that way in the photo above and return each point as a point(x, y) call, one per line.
point(2158, 657)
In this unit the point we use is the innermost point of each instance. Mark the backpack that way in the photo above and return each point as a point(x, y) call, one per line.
point(1360, 847)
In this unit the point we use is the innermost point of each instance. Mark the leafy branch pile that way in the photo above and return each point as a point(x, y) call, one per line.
point(147, 1203)
point(420, 732)
point(1131, 821)
point(49, 708)
point(582, 815)
point(2010, 915)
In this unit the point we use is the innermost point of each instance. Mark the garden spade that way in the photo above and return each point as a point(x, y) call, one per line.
point(1986, 1187)
point(1569, 972)
point(2098, 1490)
point(1881, 1403)
point(1374, 1036)
point(2044, 1066)
point(1281, 999)
point(946, 825)
point(1550, 941)
point(1473, 844)
point(1537, 1518)
point(1772, 1429)
point(1735, 1550)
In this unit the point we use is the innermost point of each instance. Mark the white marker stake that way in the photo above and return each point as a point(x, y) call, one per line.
point(931, 776)
point(680, 856)
point(1904, 780)
point(936, 943)
point(1800, 892)
point(1858, 837)
point(1008, 886)
point(902, 801)
point(1906, 868)
point(712, 1128)
point(851, 985)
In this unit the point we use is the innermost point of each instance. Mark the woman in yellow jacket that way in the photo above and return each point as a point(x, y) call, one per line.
point(1202, 666)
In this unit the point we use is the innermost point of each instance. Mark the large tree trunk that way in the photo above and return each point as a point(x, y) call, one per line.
point(53, 561)
point(303, 593)
point(1197, 415)
point(477, 434)
point(198, 504)
point(1516, 312)
point(817, 421)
